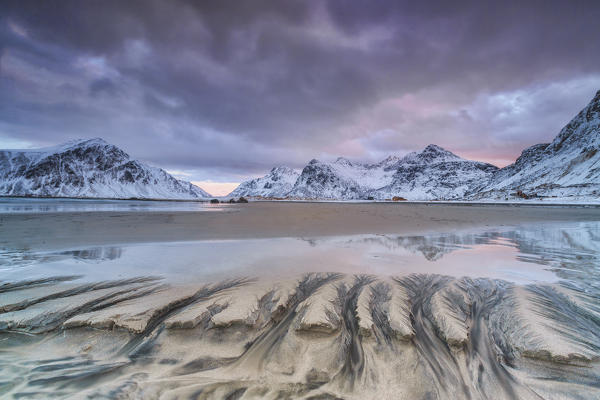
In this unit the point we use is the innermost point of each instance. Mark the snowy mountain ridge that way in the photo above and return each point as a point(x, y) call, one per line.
point(277, 183)
point(567, 168)
point(89, 168)
point(431, 173)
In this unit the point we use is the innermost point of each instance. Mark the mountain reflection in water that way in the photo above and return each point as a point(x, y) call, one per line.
point(546, 252)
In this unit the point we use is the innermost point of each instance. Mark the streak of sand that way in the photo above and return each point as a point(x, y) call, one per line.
point(350, 336)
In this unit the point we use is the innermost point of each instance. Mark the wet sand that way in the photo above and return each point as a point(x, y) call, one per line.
point(269, 219)
point(314, 336)
point(308, 335)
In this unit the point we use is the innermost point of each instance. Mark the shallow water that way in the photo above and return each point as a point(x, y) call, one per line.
point(13, 205)
point(102, 326)
point(544, 253)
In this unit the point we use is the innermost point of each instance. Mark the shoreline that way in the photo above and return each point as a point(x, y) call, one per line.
point(550, 203)
point(312, 320)
point(267, 220)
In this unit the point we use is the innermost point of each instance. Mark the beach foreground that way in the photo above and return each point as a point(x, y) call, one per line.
point(307, 333)
point(316, 336)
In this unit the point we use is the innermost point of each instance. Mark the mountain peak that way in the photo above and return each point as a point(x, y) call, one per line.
point(582, 131)
point(342, 161)
point(277, 183)
point(432, 154)
point(88, 168)
point(388, 162)
point(281, 169)
point(86, 142)
point(434, 148)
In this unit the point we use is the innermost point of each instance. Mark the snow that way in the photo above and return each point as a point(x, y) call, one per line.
point(433, 173)
point(569, 167)
point(90, 168)
point(277, 183)
point(566, 170)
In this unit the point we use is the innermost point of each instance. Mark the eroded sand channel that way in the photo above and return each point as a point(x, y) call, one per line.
point(457, 302)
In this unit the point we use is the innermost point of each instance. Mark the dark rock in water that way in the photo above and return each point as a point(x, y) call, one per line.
point(232, 201)
point(214, 201)
point(242, 200)
point(370, 198)
point(398, 198)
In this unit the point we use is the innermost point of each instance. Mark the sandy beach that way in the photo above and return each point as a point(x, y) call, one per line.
point(423, 326)
point(271, 219)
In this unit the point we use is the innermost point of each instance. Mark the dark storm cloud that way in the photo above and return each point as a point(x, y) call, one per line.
point(230, 88)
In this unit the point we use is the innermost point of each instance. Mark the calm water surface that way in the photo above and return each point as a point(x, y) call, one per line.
point(541, 253)
point(15, 205)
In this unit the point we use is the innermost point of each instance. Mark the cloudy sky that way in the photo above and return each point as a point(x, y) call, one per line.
point(219, 91)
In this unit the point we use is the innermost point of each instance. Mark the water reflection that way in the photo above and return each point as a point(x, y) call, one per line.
point(23, 257)
point(432, 247)
point(569, 252)
point(95, 254)
point(32, 205)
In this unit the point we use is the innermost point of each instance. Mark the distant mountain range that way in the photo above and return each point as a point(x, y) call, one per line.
point(433, 173)
point(89, 168)
point(567, 168)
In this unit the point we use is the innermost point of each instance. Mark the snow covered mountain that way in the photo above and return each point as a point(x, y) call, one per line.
point(342, 179)
point(433, 173)
point(569, 167)
point(89, 168)
point(276, 183)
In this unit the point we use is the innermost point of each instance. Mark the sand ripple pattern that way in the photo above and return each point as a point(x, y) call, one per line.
point(317, 336)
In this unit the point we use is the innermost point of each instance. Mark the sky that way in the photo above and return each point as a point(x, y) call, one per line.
point(217, 92)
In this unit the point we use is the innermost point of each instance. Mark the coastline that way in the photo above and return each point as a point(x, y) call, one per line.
point(52, 230)
point(334, 323)
point(531, 202)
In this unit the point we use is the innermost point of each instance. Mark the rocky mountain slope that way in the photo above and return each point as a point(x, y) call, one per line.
point(342, 179)
point(569, 167)
point(277, 183)
point(89, 168)
point(433, 173)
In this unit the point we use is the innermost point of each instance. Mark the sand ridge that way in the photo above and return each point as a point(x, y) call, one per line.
point(311, 336)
